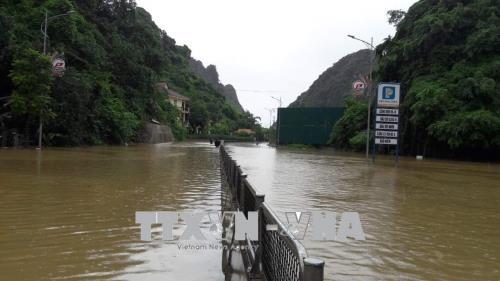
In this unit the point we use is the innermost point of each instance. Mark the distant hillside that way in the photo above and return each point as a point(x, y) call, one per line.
point(446, 56)
point(330, 89)
point(210, 75)
point(115, 54)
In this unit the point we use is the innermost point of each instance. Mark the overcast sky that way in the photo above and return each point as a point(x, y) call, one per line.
point(270, 48)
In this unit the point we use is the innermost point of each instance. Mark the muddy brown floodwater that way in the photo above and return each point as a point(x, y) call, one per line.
point(423, 220)
point(69, 214)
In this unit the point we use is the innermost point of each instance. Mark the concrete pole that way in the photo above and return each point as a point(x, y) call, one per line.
point(270, 116)
point(40, 125)
point(370, 89)
point(278, 100)
point(45, 33)
point(368, 121)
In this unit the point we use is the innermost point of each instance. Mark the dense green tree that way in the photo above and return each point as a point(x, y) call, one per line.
point(115, 55)
point(396, 16)
point(220, 128)
point(351, 124)
point(32, 78)
point(247, 121)
point(445, 55)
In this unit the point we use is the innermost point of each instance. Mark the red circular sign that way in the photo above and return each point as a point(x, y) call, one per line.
point(359, 85)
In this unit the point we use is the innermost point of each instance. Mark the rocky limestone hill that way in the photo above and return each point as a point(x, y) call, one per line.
point(335, 84)
point(211, 75)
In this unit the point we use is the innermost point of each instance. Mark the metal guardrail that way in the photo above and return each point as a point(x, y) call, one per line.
point(278, 255)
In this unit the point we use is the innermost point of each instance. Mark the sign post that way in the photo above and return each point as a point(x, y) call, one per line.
point(387, 117)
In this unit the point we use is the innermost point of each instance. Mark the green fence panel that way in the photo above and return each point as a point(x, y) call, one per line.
point(307, 125)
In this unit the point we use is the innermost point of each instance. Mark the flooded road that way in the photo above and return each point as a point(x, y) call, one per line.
point(69, 214)
point(424, 220)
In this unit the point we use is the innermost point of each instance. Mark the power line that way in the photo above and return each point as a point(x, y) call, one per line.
point(261, 91)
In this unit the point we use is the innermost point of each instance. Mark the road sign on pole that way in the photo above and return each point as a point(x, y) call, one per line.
point(386, 134)
point(359, 85)
point(387, 118)
point(388, 95)
point(386, 141)
point(58, 66)
point(387, 111)
point(386, 126)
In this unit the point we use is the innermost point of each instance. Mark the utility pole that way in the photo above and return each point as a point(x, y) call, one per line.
point(43, 28)
point(40, 124)
point(278, 99)
point(278, 124)
point(270, 116)
point(370, 87)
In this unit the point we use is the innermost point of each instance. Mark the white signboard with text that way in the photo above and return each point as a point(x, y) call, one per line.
point(388, 119)
point(386, 141)
point(386, 134)
point(388, 111)
point(385, 126)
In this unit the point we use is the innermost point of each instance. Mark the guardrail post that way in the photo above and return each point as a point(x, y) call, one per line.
point(241, 194)
point(256, 269)
point(259, 199)
point(230, 179)
point(313, 269)
point(236, 174)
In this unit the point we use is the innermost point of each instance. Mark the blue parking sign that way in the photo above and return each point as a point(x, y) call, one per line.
point(388, 95)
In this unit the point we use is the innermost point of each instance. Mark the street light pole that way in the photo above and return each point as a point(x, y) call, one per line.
point(270, 116)
point(45, 32)
point(277, 99)
point(278, 124)
point(40, 124)
point(368, 122)
point(45, 24)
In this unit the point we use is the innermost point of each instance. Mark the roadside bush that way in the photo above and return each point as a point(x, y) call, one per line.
point(358, 142)
point(350, 125)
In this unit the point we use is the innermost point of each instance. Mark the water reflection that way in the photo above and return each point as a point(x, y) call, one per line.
point(428, 220)
point(70, 213)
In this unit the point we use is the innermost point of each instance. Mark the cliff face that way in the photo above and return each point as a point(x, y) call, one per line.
point(210, 75)
point(153, 133)
point(335, 84)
